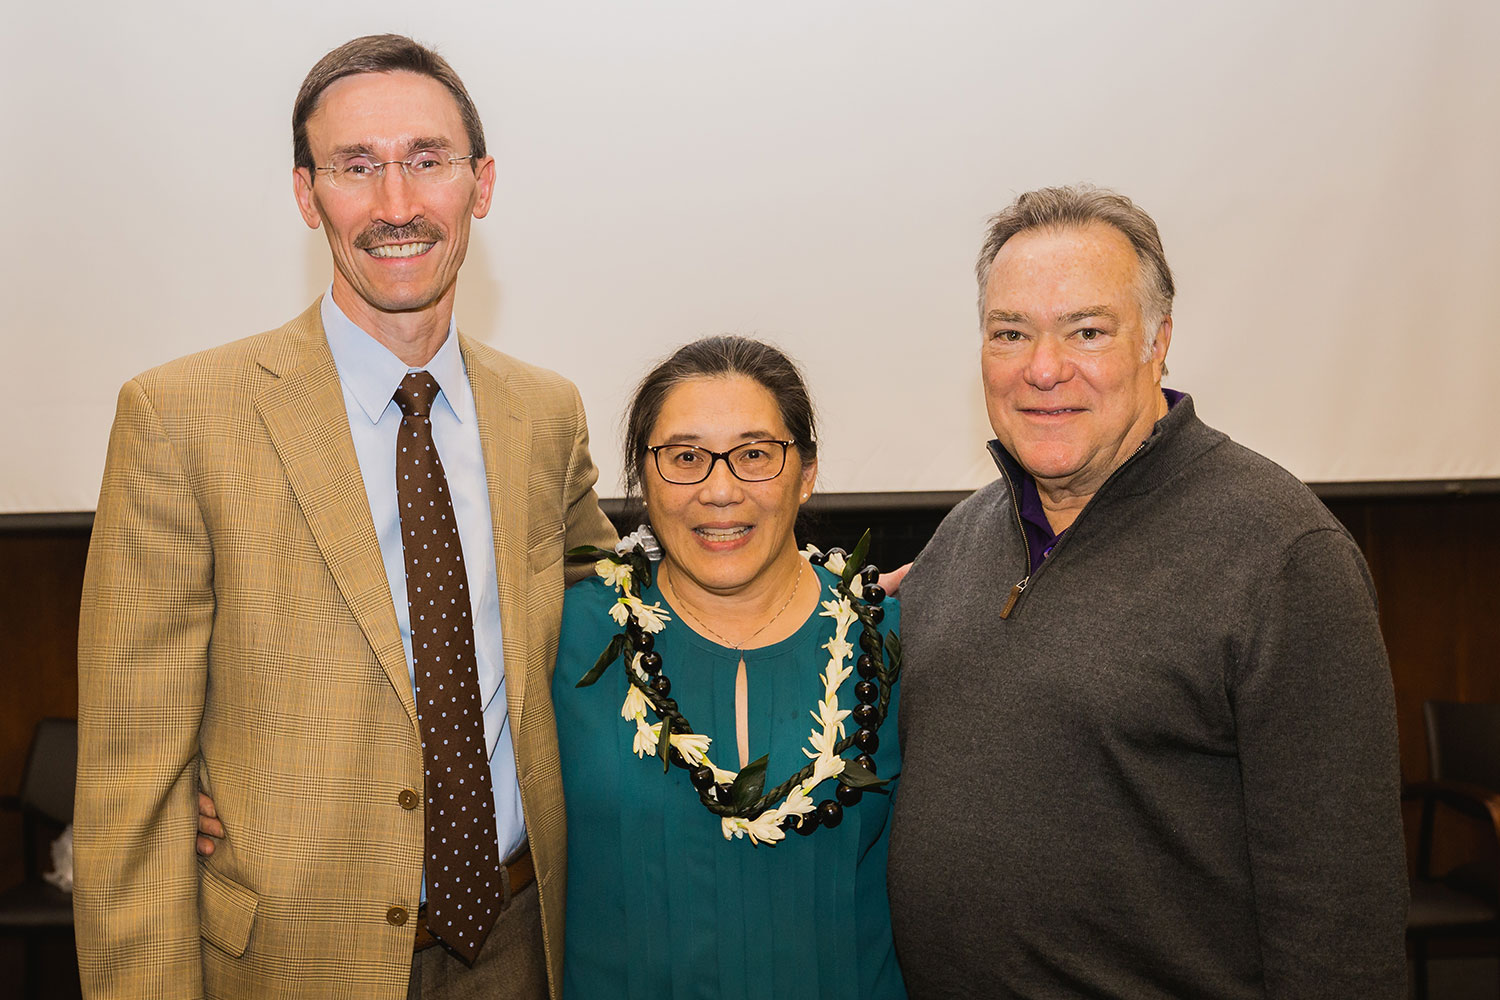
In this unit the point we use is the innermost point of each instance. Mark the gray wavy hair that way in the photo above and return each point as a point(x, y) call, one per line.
point(1075, 206)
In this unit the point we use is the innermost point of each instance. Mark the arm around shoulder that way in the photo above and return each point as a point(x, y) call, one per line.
point(147, 616)
point(584, 522)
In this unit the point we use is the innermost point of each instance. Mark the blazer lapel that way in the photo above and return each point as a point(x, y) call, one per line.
point(505, 437)
point(304, 413)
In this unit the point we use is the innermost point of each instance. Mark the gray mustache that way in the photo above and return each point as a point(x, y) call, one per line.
point(415, 231)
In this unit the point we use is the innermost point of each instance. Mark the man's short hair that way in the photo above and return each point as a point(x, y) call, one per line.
point(1075, 206)
point(379, 54)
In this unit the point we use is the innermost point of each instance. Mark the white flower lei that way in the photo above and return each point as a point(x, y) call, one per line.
point(765, 827)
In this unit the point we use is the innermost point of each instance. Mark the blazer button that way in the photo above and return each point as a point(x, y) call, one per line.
point(408, 799)
point(396, 916)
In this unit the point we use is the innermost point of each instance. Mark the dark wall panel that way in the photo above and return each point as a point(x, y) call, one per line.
point(1436, 564)
point(41, 578)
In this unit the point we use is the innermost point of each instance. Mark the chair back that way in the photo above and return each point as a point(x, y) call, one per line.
point(51, 770)
point(1463, 742)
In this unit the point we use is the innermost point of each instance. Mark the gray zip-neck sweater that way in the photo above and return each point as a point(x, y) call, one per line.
point(1171, 769)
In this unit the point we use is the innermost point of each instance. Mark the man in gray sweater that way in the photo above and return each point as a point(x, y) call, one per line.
point(1147, 723)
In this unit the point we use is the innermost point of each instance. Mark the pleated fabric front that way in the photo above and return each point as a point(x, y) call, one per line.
point(660, 905)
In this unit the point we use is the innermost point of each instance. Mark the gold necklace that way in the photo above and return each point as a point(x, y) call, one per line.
point(738, 647)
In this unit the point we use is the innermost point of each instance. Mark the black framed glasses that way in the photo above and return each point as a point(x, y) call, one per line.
point(751, 462)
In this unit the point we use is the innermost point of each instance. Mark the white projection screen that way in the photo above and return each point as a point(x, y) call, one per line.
point(814, 173)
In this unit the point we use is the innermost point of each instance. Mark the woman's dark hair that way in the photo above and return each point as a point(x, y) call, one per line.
point(718, 357)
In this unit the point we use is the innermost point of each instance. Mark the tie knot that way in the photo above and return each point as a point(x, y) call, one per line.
point(415, 394)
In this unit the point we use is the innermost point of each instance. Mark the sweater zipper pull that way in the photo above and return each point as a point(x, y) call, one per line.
point(1015, 595)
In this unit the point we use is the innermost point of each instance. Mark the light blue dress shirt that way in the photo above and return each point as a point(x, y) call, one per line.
point(369, 374)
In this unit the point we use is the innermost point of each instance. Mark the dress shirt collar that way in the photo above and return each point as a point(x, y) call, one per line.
point(371, 373)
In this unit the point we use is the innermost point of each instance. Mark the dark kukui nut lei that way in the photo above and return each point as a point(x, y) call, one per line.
point(878, 665)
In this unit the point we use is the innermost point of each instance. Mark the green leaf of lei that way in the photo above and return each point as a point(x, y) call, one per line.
point(855, 775)
point(748, 784)
point(592, 551)
point(856, 560)
point(610, 655)
point(893, 652)
point(640, 570)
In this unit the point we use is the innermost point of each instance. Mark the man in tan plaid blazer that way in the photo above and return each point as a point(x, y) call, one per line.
point(239, 630)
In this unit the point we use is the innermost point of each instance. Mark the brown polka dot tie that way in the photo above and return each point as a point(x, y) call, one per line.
point(463, 862)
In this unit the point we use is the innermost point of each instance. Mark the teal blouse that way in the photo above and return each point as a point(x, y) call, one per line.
point(660, 905)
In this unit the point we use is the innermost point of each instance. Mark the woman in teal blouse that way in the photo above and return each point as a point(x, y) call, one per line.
point(660, 903)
